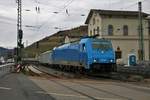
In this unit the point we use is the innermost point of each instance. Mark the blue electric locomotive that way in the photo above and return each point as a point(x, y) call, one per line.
point(88, 53)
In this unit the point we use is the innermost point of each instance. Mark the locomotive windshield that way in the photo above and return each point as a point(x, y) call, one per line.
point(102, 45)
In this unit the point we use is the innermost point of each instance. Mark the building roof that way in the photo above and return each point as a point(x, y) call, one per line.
point(113, 12)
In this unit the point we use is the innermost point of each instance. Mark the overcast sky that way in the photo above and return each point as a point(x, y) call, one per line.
point(44, 22)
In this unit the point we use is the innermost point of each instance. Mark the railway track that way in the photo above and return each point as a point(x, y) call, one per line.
point(91, 83)
point(111, 76)
point(83, 93)
point(124, 73)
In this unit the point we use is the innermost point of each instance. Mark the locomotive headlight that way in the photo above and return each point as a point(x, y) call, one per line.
point(111, 60)
point(102, 52)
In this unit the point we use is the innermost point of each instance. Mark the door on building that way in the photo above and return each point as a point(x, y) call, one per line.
point(118, 53)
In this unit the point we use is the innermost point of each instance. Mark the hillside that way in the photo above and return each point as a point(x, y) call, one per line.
point(48, 43)
point(5, 52)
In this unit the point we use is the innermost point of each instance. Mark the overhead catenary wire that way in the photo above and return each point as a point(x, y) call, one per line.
point(66, 5)
point(67, 11)
point(132, 5)
point(62, 7)
point(43, 25)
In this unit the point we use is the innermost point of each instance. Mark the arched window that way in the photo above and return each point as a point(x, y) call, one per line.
point(90, 32)
point(93, 21)
point(125, 30)
point(110, 29)
point(94, 31)
point(97, 30)
point(118, 53)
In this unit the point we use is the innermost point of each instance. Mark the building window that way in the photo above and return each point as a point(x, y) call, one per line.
point(118, 53)
point(110, 16)
point(97, 30)
point(94, 31)
point(93, 21)
point(90, 32)
point(97, 20)
point(110, 29)
point(125, 30)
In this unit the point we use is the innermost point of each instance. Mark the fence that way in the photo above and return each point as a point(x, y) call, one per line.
point(6, 68)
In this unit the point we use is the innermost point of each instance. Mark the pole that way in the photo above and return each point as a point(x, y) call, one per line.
point(149, 36)
point(19, 31)
point(140, 29)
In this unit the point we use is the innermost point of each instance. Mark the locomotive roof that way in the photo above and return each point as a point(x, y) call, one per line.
point(100, 39)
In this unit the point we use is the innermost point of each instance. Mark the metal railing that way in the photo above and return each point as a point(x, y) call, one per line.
point(6, 68)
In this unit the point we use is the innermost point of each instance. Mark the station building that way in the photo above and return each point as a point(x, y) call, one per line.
point(121, 27)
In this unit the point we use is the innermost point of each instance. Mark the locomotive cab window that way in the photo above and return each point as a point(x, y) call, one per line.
point(103, 45)
point(83, 48)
